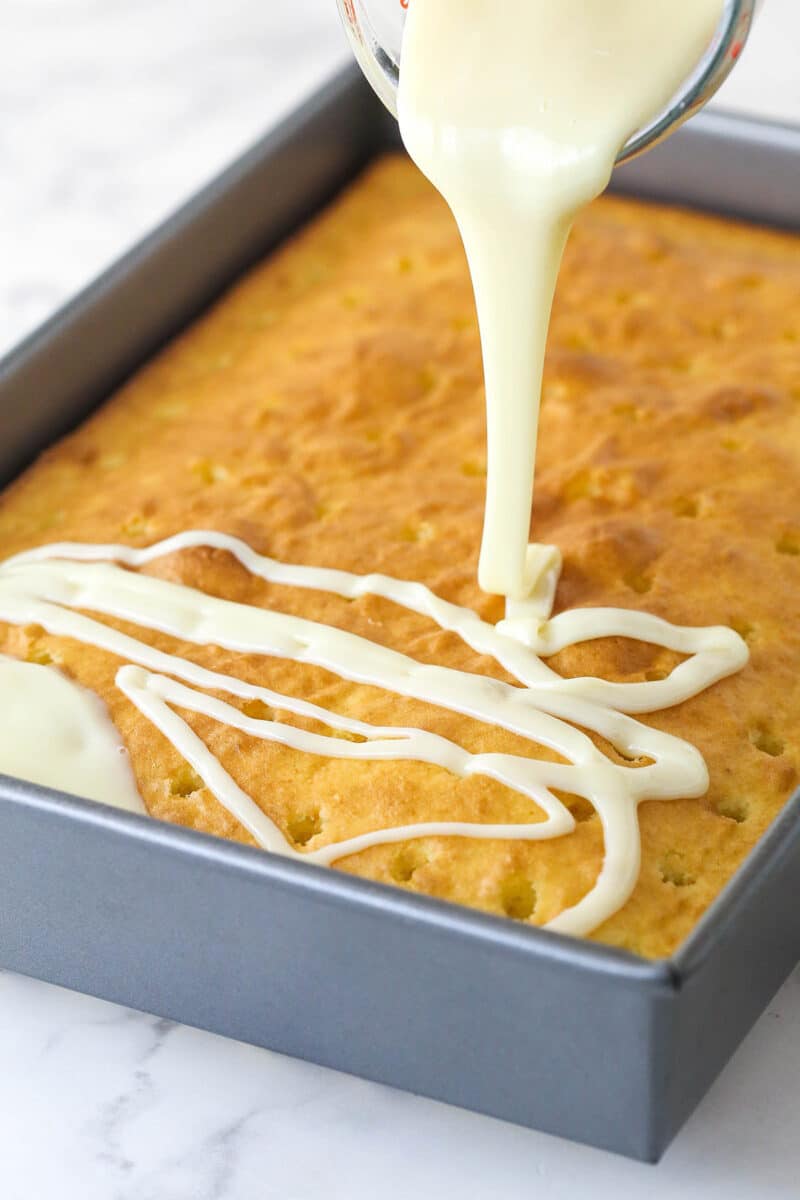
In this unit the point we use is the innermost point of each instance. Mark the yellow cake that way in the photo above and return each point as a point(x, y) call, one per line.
point(329, 411)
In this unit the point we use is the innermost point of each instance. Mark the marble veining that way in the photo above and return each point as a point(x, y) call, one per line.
point(137, 1108)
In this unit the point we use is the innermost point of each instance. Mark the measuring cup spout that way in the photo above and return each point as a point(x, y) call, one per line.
point(375, 30)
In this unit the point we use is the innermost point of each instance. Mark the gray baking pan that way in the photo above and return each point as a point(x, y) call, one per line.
point(562, 1035)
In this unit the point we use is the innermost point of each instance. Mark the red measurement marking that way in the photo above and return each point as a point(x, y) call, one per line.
point(736, 50)
point(404, 3)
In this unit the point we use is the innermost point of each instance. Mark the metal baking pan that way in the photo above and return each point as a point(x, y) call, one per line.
point(562, 1035)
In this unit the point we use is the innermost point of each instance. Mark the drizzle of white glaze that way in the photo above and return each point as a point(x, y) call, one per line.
point(47, 585)
point(56, 733)
point(516, 112)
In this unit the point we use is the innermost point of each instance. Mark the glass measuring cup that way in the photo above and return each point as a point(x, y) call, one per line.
point(375, 30)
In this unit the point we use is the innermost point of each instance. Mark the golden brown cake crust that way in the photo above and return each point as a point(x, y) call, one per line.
point(329, 411)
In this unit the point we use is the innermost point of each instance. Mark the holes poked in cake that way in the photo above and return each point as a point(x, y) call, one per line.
point(418, 531)
point(749, 282)
point(328, 510)
point(408, 358)
point(37, 654)
point(406, 863)
point(264, 413)
point(733, 808)
point(257, 710)
point(686, 506)
point(656, 675)
point(518, 897)
point(684, 364)
point(672, 870)
point(654, 247)
point(209, 472)
point(767, 741)
point(345, 735)
point(427, 379)
point(724, 330)
point(627, 758)
point(36, 651)
point(732, 403)
point(558, 393)
point(608, 485)
point(577, 340)
point(745, 629)
point(575, 368)
point(628, 411)
point(185, 781)
point(137, 526)
point(579, 808)
point(789, 543)
point(638, 581)
point(623, 297)
point(303, 827)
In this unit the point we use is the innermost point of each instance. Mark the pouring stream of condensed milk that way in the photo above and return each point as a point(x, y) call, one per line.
point(516, 111)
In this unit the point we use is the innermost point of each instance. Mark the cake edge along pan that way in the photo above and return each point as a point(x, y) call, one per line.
point(565, 1036)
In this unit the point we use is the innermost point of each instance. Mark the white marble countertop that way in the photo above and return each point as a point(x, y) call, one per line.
point(111, 113)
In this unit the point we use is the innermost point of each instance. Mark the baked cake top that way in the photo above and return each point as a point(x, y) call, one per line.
point(329, 411)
